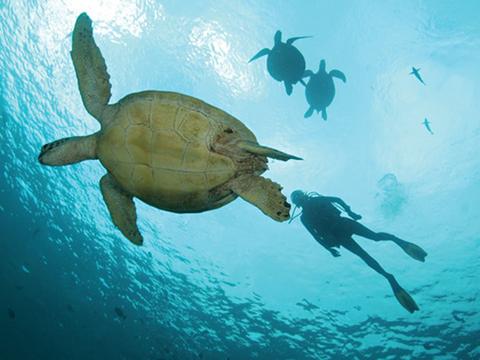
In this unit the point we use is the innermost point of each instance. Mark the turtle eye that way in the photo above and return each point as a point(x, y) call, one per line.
point(228, 131)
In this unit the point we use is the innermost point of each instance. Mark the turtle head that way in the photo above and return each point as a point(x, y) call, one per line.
point(278, 37)
point(321, 67)
point(68, 151)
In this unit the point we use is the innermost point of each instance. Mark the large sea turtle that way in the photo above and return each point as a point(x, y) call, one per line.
point(172, 151)
point(320, 89)
point(285, 62)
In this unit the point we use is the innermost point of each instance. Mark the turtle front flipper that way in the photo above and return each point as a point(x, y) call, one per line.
point(257, 149)
point(261, 53)
point(307, 73)
point(264, 194)
point(122, 209)
point(338, 74)
point(92, 75)
point(291, 40)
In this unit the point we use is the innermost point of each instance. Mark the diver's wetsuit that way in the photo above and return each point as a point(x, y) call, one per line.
point(324, 221)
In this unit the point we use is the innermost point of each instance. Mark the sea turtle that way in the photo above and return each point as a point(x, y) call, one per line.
point(320, 89)
point(285, 63)
point(170, 150)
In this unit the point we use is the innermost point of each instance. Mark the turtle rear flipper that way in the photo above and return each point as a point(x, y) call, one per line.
point(122, 209)
point(324, 114)
point(308, 113)
point(264, 194)
point(257, 149)
point(338, 74)
point(288, 87)
point(92, 75)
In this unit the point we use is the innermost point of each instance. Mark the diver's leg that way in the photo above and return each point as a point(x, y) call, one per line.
point(361, 230)
point(353, 247)
point(402, 296)
point(411, 249)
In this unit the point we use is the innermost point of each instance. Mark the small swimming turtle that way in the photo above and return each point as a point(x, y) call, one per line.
point(285, 62)
point(320, 89)
point(172, 151)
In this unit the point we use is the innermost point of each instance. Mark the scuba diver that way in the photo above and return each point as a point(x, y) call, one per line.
point(322, 218)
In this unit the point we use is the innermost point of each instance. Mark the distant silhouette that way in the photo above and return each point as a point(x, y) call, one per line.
point(321, 216)
point(427, 125)
point(120, 313)
point(416, 73)
point(11, 313)
point(284, 63)
point(320, 89)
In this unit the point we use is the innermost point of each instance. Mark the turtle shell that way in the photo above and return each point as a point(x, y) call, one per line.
point(158, 147)
point(286, 63)
point(320, 90)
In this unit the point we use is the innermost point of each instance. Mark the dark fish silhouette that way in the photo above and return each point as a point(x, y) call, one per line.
point(320, 89)
point(120, 313)
point(306, 305)
point(455, 315)
point(415, 72)
point(426, 123)
point(11, 313)
point(284, 63)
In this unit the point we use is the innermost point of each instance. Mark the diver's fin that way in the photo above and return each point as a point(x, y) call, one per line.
point(288, 88)
point(261, 53)
point(291, 40)
point(308, 113)
point(264, 194)
point(404, 297)
point(308, 73)
point(324, 114)
point(338, 74)
point(122, 209)
point(412, 250)
point(255, 148)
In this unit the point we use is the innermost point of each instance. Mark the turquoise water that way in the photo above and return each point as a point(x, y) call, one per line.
point(232, 283)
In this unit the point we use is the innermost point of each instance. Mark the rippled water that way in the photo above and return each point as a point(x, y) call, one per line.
point(231, 283)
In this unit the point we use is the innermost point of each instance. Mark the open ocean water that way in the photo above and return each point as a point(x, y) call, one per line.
point(232, 283)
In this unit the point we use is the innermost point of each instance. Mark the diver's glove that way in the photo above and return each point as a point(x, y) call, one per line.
point(354, 216)
point(334, 252)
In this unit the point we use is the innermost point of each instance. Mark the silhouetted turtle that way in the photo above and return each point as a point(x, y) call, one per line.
point(320, 89)
point(170, 150)
point(285, 63)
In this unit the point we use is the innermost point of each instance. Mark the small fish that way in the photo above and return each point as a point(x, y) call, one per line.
point(456, 317)
point(415, 72)
point(11, 313)
point(306, 305)
point(426, 123)
point(120, 313)
point(428, 346)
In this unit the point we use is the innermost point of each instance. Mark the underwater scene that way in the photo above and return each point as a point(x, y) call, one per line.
point(239, 179)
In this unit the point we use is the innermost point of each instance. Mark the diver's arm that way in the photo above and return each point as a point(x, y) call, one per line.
point(345, 207)
point(319, 239)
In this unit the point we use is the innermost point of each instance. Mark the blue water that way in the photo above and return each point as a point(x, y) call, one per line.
point(232, 283)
